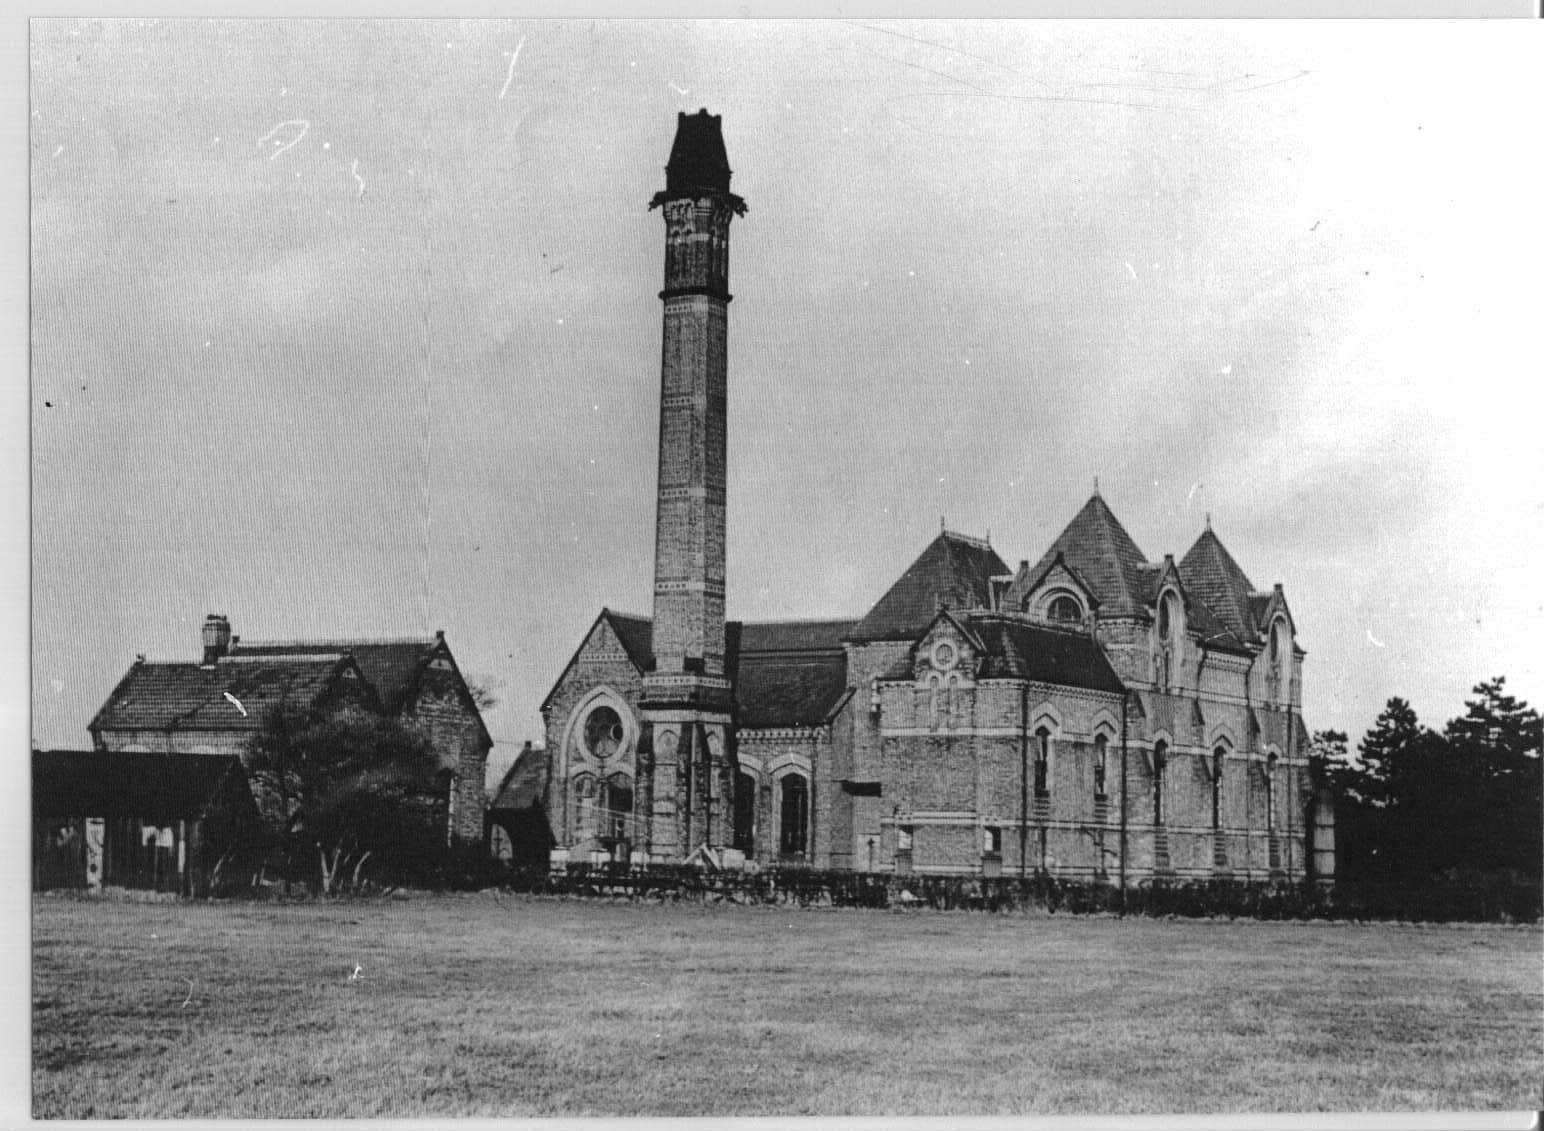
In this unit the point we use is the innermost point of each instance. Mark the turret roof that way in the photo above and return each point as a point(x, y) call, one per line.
point(1097, 546)
point(954, 572)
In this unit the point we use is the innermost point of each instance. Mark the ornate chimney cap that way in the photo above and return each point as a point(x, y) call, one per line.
point(699, 164)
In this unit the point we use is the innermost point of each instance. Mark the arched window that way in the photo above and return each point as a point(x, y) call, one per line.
point(1160, 759)
point(1217, 758)
point(1278, 687)
point(1270, 793)
point(1064, 608)
point(793, 829)
point(1101, 761)
point(1166, 617)
point(1042, 762)
point(745, 813)
point(615, 797)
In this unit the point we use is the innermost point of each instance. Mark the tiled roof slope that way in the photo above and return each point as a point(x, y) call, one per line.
point(91, 783)
point(1018, 649)
point(794, 635)
point(391, 666)
point(1098, 547)
point(523, 782)
point(154, 696)
point(783, 691)
point(953, 571)
point(1210, 573)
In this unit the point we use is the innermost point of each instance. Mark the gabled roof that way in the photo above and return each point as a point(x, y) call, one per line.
point(1034, 581)
point(1211, 574)
point(635, 633)
point(232, 694)
point(1019, 649)
point(391, 666)
point(1096, 545)
point(954, 572)
point(523, 782)
point(92, 783)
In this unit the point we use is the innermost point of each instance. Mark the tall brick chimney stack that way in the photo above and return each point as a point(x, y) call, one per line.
point(686, 696)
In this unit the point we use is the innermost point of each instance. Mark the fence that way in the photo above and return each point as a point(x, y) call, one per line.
point(1487, 899)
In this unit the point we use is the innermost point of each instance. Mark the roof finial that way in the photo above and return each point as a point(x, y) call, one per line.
point(1208, 520)
point(1096, 486)
point(941, 526)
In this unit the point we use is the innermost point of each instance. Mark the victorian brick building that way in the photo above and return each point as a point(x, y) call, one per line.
point(1095, 714)
point(216, 704)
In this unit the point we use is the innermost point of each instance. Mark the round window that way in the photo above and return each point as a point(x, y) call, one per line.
point(944, 655)
point(603, 732)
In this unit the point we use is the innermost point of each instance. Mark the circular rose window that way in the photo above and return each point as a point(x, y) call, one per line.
point(944, 655)
point(603, 732)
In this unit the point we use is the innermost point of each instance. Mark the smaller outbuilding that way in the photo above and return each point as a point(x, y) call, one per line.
point(517, 827)
point(154, 821)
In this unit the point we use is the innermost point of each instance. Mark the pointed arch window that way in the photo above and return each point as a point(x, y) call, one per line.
point(1160, 762)
point(1042, 762)
point(745, 813)
point(794, 811)
point(1101, 762)
point(1217, 760)
point(1270, 793)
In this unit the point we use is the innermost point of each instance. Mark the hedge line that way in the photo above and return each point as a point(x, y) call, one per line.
point(1475, 899)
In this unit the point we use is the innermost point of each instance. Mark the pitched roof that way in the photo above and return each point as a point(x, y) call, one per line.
point(1021, 649)
point(636, 634)
point(774, 690)
point(391, 666)
point(523, 782)
point(1096, 545)
point(232, 694)
point(794, 635)
point(93, 783)
point(1210, 573)
point(953, 571)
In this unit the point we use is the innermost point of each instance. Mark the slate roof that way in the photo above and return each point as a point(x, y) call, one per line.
point(92, 783)
point(180, 696)
point(523, 782)
point(782, 691)
point(1210, 573)
point(637, 637)
point(954, 571)
point(1020, 649)
point(1098, 547)
point(794, 635)
point(391, 666)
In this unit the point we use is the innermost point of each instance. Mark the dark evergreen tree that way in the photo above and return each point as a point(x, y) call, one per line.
point(1495, 750)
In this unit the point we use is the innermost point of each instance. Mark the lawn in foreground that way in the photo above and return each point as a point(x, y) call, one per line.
point(488, 1005)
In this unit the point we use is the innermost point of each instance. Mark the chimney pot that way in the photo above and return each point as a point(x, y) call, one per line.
point(217, 637)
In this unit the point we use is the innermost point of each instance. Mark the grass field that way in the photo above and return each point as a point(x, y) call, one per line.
point(484, 1005)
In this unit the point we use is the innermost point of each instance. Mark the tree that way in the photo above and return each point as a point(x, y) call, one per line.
point(350, 785)
point(1495, 748)
point(481, 691)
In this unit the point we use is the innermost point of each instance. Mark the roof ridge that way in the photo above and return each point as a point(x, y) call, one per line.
point(805, 620)
point(968, 539)
point(242, 643)
point(287, 658)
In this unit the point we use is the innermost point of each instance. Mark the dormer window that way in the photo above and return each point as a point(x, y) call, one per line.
point(1167, 613)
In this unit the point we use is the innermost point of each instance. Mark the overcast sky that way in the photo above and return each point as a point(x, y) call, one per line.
point(351, 329)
